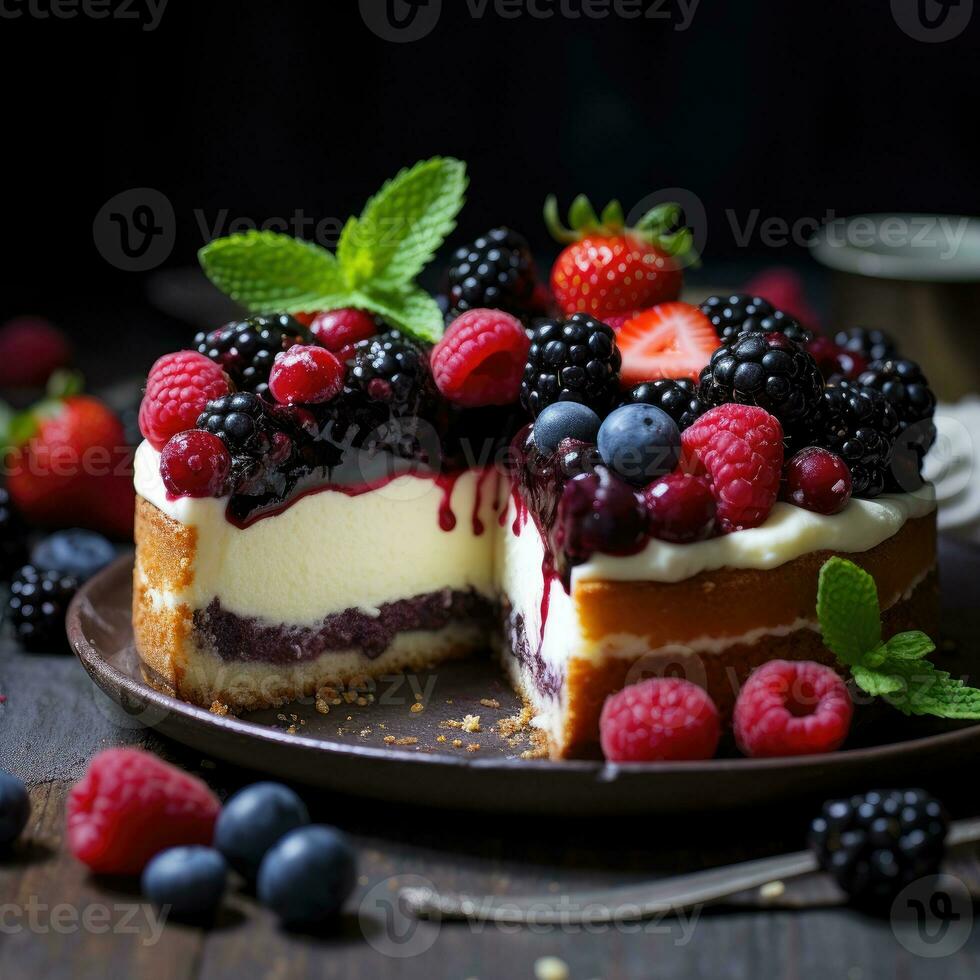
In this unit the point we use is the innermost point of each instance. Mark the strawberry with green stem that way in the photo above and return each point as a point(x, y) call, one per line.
point(608, 269)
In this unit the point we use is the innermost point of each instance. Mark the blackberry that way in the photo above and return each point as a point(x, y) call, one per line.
point(905, 386)
point(768, 370)
point(13, 537)
point(877, 843)
point(742, 313)
point(243, 422)
point(860, 425)
point(679, 399)
point(393, 370)
point(872, 345)
point(247, 348)
point(572, 360)
point(495, 271)
point(37, 606)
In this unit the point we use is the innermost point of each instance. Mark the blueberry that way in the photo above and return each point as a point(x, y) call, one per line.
point(15, 808)
point(307, 876)
point(253, 820)
point(77, 553)
point(640, 443)
point(191, 880)
point(564, 420)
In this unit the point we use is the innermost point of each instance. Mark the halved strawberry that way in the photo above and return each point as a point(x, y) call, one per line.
point(670, 340)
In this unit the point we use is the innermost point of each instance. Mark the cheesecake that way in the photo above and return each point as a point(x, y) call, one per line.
point(594, 479)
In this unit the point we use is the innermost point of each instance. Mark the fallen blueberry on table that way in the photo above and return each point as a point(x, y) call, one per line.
point(307, 876)
point(80, 554)
point(253, 820)
point(189, 880)
point(15, 808)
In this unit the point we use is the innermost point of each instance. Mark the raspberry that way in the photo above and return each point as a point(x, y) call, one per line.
point(661, 719)
point(480, 360)
point(817, 480)
point(339, 329)
point(130, 805)
point(680, 508)
point(195, 464)
point(305, 375)
point(788, 708)
point(178, 388)
point(835, 362)
point(740, 448)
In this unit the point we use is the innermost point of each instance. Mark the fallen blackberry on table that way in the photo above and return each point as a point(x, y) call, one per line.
point(13, 537)
point(37, 607)
point(877, 843)
point(572, 360)
point(494, 272)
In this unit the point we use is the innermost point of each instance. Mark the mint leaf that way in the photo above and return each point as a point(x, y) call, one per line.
point(874, 682)
point(923, 689)
point(847, 607)
point(266, 270)
point(913, 645)
point(401, 227)
point(408, 308)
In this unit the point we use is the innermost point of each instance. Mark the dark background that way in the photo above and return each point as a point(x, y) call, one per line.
point(263, 109)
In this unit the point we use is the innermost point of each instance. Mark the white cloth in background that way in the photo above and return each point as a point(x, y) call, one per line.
point(952, 466)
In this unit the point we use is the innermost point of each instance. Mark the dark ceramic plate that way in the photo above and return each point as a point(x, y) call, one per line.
point(345, 749)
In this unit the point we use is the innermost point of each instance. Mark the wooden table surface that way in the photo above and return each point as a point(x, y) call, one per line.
point(57, 921)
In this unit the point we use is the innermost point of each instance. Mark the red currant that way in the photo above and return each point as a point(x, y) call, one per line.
point(337, 329)
point(818, 480)
point(680, 508)
point(195, 463)
point(305, 375)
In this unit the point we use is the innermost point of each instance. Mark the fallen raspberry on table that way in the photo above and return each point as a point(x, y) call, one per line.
point(740, 449)
point(130, 805)
point(177, 389)
point(792, 708)
point(480, 360)
point(661, 719)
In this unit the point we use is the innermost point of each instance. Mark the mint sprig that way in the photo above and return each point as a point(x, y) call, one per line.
point(379, 254)
point(895, 669)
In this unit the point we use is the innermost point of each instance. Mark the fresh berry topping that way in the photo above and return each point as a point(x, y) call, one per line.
point(740, 448)
point(177, 389)
point(243, 422)
point(639, 443)
point(677, 397)
point(80, 554)
point(246, 349)
point(906, 388)
point(860, 425)
point(598, 512)
point(609, 269)
point(37, 606)
point(338, 330)
point(792, 708)
point(195, 464)
point(13, 537)
point(871, 345)
point(31, 350)
point(784, 288)
point(741, 313)
point(305, 375)
point(494, 272)
point(680, 508)
point(253, 820)
point(817, 480)
point(130, 805)
point(15, 808)
point(663, 719)
point(877, 843)
point(188, 881)
point(571, 360)
point(481, 358)
point(835, 362)
point(565, 420)
point(306, 877)
point(768, 370)
point(393, 370)
point(672, 340)
point(575, 457)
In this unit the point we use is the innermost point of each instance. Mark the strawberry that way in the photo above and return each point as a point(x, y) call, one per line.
point(671, 340)
point(69, 466)
point(608, 269)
